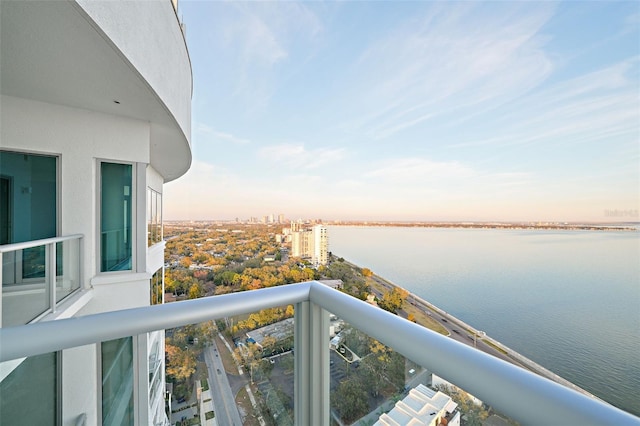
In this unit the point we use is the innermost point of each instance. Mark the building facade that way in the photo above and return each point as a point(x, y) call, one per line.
point(95, 117)
point(310, 243)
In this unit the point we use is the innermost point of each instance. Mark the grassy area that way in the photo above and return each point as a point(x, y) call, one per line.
point(497, 348)
point(244, 404)
point(227, 358)
point(419, 314)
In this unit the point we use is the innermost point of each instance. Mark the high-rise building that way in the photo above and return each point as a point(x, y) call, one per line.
point(310, 243)
point(319, 254)
point(96, 112)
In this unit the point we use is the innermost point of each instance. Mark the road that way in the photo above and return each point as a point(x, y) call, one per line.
point(224, 402)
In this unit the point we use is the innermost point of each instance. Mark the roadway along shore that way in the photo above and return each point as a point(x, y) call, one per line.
point(466, 334)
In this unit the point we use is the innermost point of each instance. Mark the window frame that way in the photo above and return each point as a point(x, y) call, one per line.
point(154, 204)
point(133, 218)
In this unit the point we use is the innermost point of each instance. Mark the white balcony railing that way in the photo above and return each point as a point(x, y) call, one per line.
point(37, 276)
point(520, 394)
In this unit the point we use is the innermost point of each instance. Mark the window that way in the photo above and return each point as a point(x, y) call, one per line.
point(154, 217)
point(117, 382)
point(116, 203)
point(28, 191)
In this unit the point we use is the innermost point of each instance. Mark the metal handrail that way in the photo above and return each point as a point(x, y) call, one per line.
point(518, 393)
point(35, 243)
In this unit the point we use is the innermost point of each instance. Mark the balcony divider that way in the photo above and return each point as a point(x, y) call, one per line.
point(520, 394)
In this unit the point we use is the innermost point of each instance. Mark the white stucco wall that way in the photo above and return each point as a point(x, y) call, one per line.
point(149, 35)
point(80, 138)
point(80, 374)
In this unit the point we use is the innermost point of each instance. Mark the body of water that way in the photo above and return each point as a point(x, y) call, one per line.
point(568, 300)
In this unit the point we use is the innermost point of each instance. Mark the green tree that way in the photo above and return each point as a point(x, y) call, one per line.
point(350, 400)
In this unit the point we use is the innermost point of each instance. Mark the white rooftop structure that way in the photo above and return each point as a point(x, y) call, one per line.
point(422, 406)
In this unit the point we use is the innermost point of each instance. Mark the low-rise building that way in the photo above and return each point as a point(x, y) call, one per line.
point(422, 406)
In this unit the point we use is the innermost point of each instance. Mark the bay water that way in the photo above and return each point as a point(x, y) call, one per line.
point(568, 300)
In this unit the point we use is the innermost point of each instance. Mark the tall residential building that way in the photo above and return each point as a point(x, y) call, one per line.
point(310, 243)
point(95, 117)
point(319, 254)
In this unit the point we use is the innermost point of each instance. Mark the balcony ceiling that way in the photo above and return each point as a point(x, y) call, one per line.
point(53, 52)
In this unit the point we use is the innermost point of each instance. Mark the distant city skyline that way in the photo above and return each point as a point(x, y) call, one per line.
point(429, 111)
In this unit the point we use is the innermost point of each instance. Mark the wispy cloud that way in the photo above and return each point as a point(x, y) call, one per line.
point(599, 105)
point(296, 155)
point(455, 58)
point(228, 137)
point(261, 38)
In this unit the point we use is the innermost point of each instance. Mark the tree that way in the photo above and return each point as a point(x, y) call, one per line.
point(393, 300)
point(181, 364)
point(367, 272)
point(195, 291)
point(350, 400)
point(475, 414)
point(185, 262)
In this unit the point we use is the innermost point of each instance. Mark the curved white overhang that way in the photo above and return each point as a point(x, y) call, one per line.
point(122, 58)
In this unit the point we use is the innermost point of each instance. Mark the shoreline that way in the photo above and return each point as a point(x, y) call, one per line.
point(491, 346)
point(605, 227)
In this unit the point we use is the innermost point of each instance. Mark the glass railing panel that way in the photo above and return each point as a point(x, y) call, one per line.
point(117, 364)
point(244, 365)
point(366, 377)
point(25, 290)
point(67, 268)
point(369, 379)
point(28, 394)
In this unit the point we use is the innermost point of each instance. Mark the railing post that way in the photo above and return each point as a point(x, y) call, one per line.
point(311, 389)
point(51, 266)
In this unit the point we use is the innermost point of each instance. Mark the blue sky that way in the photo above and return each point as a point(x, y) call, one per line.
point(413, 111)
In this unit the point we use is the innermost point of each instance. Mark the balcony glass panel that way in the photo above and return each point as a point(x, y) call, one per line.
point(368, 379)
point(264, 344)
point(67, 268)
point(117, 382)
point(245, 365)
point(24, 298)
point(28, 394)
